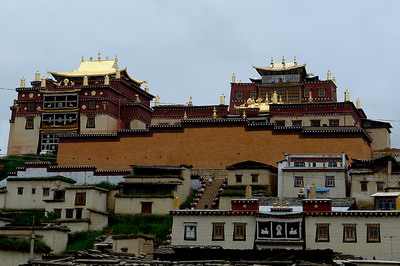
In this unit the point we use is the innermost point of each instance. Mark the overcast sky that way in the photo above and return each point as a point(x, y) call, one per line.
point(191, 48)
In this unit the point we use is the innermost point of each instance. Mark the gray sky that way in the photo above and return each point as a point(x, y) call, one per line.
point(191, 48)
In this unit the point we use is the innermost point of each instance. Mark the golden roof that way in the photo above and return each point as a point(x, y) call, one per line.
point(280, 66)
point(95, 68)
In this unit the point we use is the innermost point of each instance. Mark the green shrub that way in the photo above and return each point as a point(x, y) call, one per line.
point(81, 240)
point(23, 245)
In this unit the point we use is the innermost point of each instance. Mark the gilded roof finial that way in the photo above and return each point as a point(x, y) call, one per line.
point(91, 58)
point(214, 113)
point(358, 103)
point(146, 89)
point(83, 59)
point(283, 61)
point(310, 98)
point(157, 102)
point(274, 97)
point(116, 58)
point(295, 61)
point(313, 192)
point(22, 83)
point(329, 75)
point(280, 100)
point(190, 103)
point(107, 80)
point(98, 56)
point(137, 99)
point(43, 82)
point(37, 76)
point(85, 81)
point(334, 80)
point(347, 96)
point(272, 62)
point(222, 99)
point(233, 78)
point(117, 74)
point(244, 114)
point(267, 98)
point(106, 57)
point(184, 116)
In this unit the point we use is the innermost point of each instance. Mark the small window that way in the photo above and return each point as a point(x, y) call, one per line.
point(332, 164)
point(364, 186)
point(253, 94)
point(33, 191)
point(80, 198)
point(31, 107)
point(298, 181)
point(46, 192)
point(315, 123)
point(218, 231)
point(379, 186)
point(190, 231)
point(127, 124)
point(321, 92)
point(57, 212)
point(254, 178)
point(59, 195)
point(330, 181)
point(69, 213)
point(322, 234)
point(239, 178)
point(334, 123)
point(239, 95)
point(239, 231)
point(349, 233)
point(296, 123)
point(307, 93)
point(20, 190)
point(92, 105)
point(146, 207)
point(299, 164)
point(78, 213)
point(387, 204)
point(373, 233)
point(29, 123)
point(90, 122)
point(280, 123)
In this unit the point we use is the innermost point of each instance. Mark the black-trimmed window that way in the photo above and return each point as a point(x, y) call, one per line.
point(364, 185)
point(80, 198)
point(298, 181)
point(321, 92)
point(253, 94)
point(239, 95)
point(334, 122)
point(332, 164)
point(254, 178)
point(296, 123)
point(299, 164)
point(57, 212)
point(33, 190)
point(190, 231)
point(78, 213)
point(330, 181)
point(322, 233)
point(349, 233)
point(239, 231)
point(20, 190)
point(31, 107)
point(29, 123)
point(379, 186)
point(307, 92)
point(46, 192)
point(218, 233)
point(373, 233)
point(239, 178)
point(69, 213)
point(91, 122)
point(92, 105)
point(315, 123)
point(280, 123)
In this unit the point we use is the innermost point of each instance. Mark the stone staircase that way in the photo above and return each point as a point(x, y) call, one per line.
point(208, 196)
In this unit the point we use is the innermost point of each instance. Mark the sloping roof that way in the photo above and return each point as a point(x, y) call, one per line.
point(251, 165)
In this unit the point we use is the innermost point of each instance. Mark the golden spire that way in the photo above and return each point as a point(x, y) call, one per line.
point(22, 83)
point(190, 103)
point(313, 192)
point(233, 78)
point(83, 59)
point(43, 82)
point(272, 62)
point(37, 76)
point(222, 99)
point(116, 58)
point(85, 81)
point(274, 97)
point(266, 98)
point(280, 100)
point(184, 116)
point(310, 99)
point(214, 113)
point(347, 96)
point(244, 114)
point(157, 102)
point(283, 61)
point(334, 80)
point(146, 89)
point(295, 61)
point(91, 58)
point(329, 75)
point(358, 103)
point(118, 74)
point(107, 80)
point(98, 56)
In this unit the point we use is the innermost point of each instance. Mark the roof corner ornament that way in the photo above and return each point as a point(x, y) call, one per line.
point(146, 89)
point(117, 73)
point(157, 101)
point(283, 61)
point(244, 116)
point(272, 62)
point(214, 116)
point(233, 78)
point(107, 80)
point(295, 61)
point(85, 81)
point(347, 96)
point(98, 56)
point(334, 80)
point(358, 103)
point(222, 99)
point(37, 76)
point(185, 116)
point(83, 59)
point(329, 75)
point(91, 58)
point(190, 103)
point(116, 58)
point(22, 83)
point(137, 99)
point(43, 82)
point(66, 81)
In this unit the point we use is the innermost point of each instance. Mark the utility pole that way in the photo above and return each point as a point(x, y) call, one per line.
point(33, 236)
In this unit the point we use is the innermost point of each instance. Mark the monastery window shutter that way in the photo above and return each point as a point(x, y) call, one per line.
point(80, 198)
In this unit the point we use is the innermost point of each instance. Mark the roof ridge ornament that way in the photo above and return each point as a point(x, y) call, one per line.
point(22, 83)
point(83, 59)
point(37, 76)
point(233, 78)
point(295, 61)
point(272, 62)
point(358, 103)
point(347, 96)
point(157, 101)
point(214, 113)
point(329, 75)
point(184, 116)
point(283, 61)
point(98, 56)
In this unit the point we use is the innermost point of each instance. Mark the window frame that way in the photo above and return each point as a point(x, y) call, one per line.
point(31, 107)
point(253, 94)
point(239, 178)
point(313, 123)
point(239, 95)
point(20, 190)
point(349, 228)
point(332, 164)
point(334, 122)
point(297, 123)
point(321, 92)
point(80, 198)
point(92, 105)
point(307, 92)
point(380, 186)
point(322, 233)
point(299, 164)
point(46, 192)
point(297, 183)
point(29, 123)
point(69, 213)
point(239, 231)
point(218, 232)
point(254, 178)
point(280, 123)
point(364, 186)
point(91, 122)
point(330, 181)
point(193, 235)
point(373, 233)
